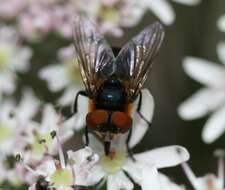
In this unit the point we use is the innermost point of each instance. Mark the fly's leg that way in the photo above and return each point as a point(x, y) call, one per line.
point(82, 93)
point(130, 153)
point(139, 109)
point(74, 111)
point(75, 104)
point(86, 136)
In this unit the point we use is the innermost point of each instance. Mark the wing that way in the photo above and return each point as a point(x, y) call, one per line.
point(95, 57)
point(136, 57)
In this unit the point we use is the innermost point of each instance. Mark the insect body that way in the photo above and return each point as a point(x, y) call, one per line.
point(113, 84)
point(42, 184)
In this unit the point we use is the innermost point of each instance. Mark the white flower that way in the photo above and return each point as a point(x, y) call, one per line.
point(64, 75)
point(8, 171)
point(11, 8)
point(143, 170)
point(13, 121)
point(209, 181)
point(13, 58)
point(36, 19)
point(221, 23)
point(163, 10)
point(209, 99)
point(167, 184)
point(64, 174)
point(39, 137)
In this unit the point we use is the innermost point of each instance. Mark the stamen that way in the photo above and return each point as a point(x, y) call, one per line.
point(43, 141)
point(58, 165)
point(112, 153)
point(220, 154)
point(74, 175)
point(60, 150)
point(189, 173)
point(191, 176)
point(19, 159)
point(53, 134)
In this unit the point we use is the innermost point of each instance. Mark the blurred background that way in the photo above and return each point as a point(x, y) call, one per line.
point(194, 32)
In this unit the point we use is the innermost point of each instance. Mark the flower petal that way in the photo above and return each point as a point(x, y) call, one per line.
point(46, 167)
point(150, 178)
point(188, 2)
point(84, 162)
point(204, 71)
point(55, 77)
point(119, 181)
point(7, 83)
point(162, 9)
point(167, 184)
point(131, 13)
point(79, 118)
point(134, 169)
point(80, 156)
point(21, 61)
point(199, 105)
point(221, 23)
point(164, 157)
point(68, 96)
point(214, 127)
point(5, 110)
point(191, 176)
point(221, 52)
point(28, 106)
point(95, 145)
point(32, 187)
point(95, 175)
point(50, 119)
point(140, 126)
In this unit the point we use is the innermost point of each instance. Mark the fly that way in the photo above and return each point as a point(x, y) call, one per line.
point(113, 84)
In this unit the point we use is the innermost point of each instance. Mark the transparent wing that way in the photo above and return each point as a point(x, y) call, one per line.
point(136, 57)
point(95, 57)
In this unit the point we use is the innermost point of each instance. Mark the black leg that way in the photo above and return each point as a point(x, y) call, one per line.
point(82, 93)
point(86, 136)
point(74, 106)
point(107, 147)
point(130, 153)
point(139, 108)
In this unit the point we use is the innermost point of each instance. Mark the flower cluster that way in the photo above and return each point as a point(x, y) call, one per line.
point(14, 59)
point(30, 146)
point(64, 75)
point(37, 146)
point(212, 76)
point(38, 18)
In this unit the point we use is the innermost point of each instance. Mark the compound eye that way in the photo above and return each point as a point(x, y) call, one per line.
point(96, 118)
point(122, 121)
